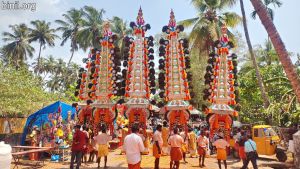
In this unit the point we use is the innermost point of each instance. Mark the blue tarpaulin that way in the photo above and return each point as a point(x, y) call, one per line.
point(41, 117)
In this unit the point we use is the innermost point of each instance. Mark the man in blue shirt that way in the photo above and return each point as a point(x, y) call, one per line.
point(251, 154)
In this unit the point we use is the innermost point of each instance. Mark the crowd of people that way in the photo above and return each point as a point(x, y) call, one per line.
point(175, 143)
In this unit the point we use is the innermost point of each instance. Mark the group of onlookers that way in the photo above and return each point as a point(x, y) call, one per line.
point(84, 143)
point(175, 143)
point(246, 148)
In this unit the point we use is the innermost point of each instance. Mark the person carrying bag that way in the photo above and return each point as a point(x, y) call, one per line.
point(251, 153)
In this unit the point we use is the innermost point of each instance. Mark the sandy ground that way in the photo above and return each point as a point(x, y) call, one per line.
point(117, 161)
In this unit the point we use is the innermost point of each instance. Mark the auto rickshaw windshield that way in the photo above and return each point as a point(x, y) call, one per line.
point(269, 132)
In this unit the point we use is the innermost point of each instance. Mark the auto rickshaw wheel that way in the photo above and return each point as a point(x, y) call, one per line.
point(280, 155)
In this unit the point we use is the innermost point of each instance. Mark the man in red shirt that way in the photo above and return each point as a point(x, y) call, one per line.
point(78, 145)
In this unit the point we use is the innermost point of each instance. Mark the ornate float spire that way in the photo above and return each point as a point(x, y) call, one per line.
point(221, 80)
point(106, 31)
point(172, 21)
point(99, 82)
point(139, 72)
point(140, 19)
point(173, 77)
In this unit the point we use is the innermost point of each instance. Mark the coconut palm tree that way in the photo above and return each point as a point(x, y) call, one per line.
point(268, 54)
point(279, 46)
point(121, 28)
point(70, 27)
point(3, 59)
point(72, 75)
point(18, 48)
point(57, 77)
point(205, 29)
point(39, 66)
point(44, 35)
point(92, 25)
point(50, 64)
point(267, 3)
point(262, 89)
point(206, 25)
point(47, 65)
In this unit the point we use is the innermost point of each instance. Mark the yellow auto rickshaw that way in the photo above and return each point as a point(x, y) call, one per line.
point(267, 142)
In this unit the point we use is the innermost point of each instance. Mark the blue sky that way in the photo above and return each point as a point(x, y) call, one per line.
point(156, 13)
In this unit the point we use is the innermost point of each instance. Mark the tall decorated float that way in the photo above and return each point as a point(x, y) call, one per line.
point(100, 82)
point(173, 77)
point(221, 82)
point(139, 73)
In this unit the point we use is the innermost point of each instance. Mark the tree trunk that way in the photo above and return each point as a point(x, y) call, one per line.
point(278, 45)
point(258, 75)
point(269, 57)
point(39, 59)
point(296, 140)
point(71, 57)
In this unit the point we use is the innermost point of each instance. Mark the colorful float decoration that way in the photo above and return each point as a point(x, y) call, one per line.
point(173, 77)
point(139, 73)
point(102, 81)
point(85, 90)
point(221, 82)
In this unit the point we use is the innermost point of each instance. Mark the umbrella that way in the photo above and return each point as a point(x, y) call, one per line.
point(195, 112)
point(237, 124)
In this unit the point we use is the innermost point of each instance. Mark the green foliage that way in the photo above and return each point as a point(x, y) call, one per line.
point(92, 21)
point(267, 3)
point(42, 33)
point(206, 25)
point(284, 109)
point(21, 92)
point(18, 48)
point(198, 66)
point(121, 29)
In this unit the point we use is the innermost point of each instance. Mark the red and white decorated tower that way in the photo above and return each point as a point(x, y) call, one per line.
point(139, 72)
point(221, 82)
point(101, 82)
point(173, 77)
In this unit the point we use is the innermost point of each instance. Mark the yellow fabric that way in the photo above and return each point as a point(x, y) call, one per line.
point(192, 143)
point(146, 142)
point(165, 135)
point(184, 147)
point(155, 151)
point(102, 150)
point(221, 154)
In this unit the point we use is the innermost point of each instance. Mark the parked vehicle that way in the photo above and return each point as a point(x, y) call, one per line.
point(267, 142)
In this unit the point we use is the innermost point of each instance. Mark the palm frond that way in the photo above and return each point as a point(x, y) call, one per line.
point(277, 79)
point(271, 13)
point(188, 22)
point(253, 14)
point(232, 19)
